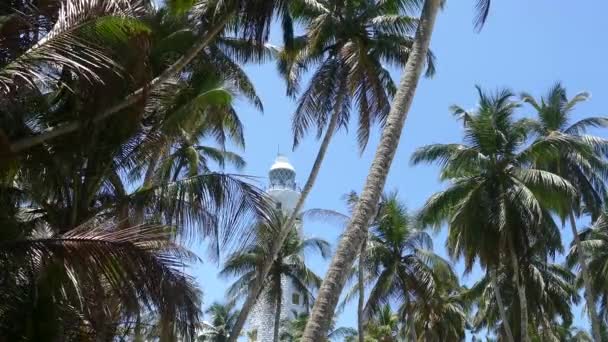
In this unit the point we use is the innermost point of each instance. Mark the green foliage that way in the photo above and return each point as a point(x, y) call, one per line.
point(289, 263)
point(94, 218)
point(76, 42)
point(577, 157)
point(551, 293)
point(293, 329)
point(223, 317)
point(594, 241)
point(180, 7)
point(495, 193)
point(347, 46)
point(400, 261)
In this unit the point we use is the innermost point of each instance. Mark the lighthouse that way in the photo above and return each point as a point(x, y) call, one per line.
point(283, 191)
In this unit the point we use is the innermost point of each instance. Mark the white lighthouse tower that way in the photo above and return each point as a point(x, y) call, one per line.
point(285, 194)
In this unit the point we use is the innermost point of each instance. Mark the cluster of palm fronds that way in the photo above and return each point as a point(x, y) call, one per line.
point(510, 180)
point(115, 114)
point(95, 210)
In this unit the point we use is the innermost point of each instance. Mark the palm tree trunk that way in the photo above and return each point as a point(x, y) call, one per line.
point(521, 292)
point(501, 306)
point(139, 210)
point(589, 295)
point(131, 99)
point(544, 322)
point(256, 287)
point(277, 313)
point(332, 286)
point(413, 329)
point(361, 284)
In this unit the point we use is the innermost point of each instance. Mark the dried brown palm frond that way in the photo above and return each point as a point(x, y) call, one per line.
point(139, 266)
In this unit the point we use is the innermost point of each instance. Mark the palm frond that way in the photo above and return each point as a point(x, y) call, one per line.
point(138, 264)
point(75, 42)
point(219, 206)
point(581, 126)
point(482, 11)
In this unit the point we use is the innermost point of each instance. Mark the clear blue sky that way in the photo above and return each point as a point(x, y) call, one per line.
point(527, 45)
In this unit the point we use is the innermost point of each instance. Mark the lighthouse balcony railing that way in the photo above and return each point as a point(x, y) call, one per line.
point(284, 187)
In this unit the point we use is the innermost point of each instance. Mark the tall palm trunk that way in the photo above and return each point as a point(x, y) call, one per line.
point(361, 284)
point(277, 310)
point(521, 292)
point(544, 322)
point(131, 99)
point(332, 286)
point(413, 333)
point(589, 295)
point(257, 285)
point(501, 306)
point(148, 181)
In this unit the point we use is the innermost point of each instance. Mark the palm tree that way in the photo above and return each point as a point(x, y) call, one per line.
point(91, 280)
point(594, 240)
point(580, 161)
point(399, 257)
point(551, 292)
point(348, 70)
point(223, 317)
point(349, 65)
point(575, 335)
point(358, 290)
point(294, 328)
point(335, 279)
point(496, 205)
point(398, 264)
point(440, 316)
point(250, 19)
point(196, 106)
point(288, 264)
point(75, 197)
point(384, 326)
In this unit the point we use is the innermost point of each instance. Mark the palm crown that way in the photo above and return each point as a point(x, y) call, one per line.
point(494, 194)
point(349, 44)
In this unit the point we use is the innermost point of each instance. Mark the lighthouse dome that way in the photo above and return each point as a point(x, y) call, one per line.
point(282, 174)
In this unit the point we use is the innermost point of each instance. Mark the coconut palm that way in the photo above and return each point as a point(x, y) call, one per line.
point(564, 332)
point(40, 41)
point(114, 156)
point(440, 316)
point(348, 72)
point(335, 279)
point(249, 19)
point(580, 161)
point(399, 257)
point(594, 239)
point(358, 290)
point(551, 290)
point(350, 65)
point(399, 264)
point(223, 317)
point(288, 264)
point(91, 281)
point(383, 326)
point(75, 197)
point(294, 328)
point(496, 205)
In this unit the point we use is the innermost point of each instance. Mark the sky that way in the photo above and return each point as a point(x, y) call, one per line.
point(527, 45)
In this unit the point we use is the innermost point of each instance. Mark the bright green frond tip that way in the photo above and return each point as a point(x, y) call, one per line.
point(115, 29)
point(215, 97)
point(179, 7)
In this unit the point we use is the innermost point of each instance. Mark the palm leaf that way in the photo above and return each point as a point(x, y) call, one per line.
point(73, 42)
point(138, 264)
